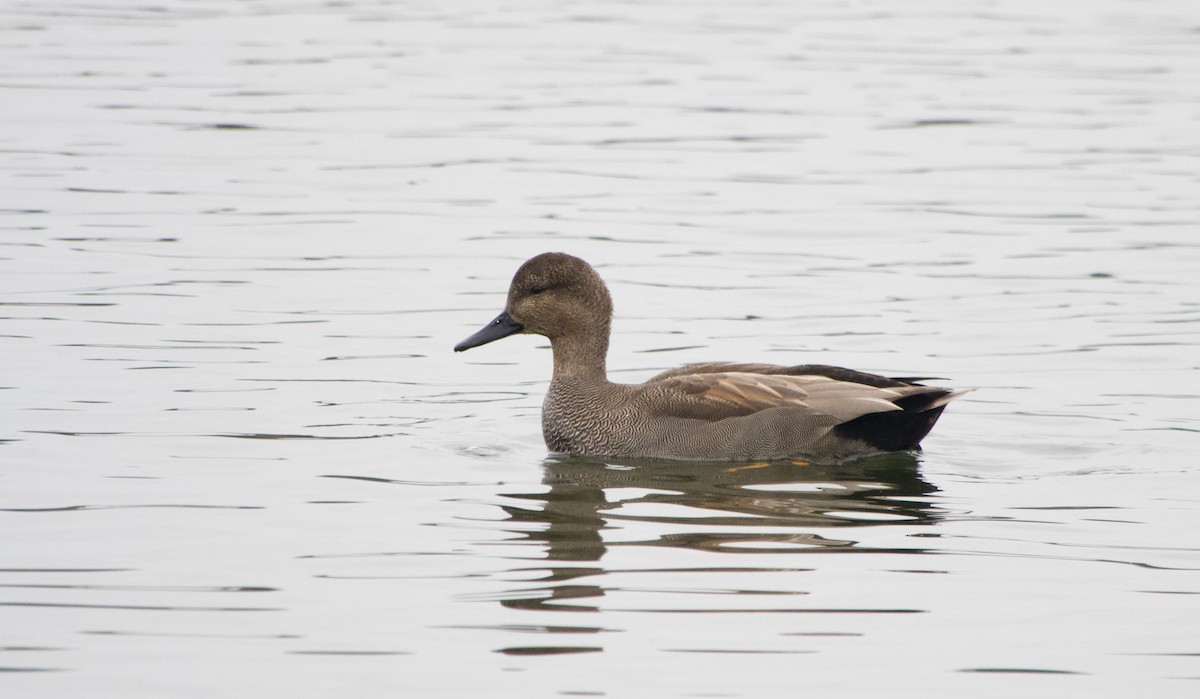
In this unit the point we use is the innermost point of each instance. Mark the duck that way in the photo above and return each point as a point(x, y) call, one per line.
point(714, 411)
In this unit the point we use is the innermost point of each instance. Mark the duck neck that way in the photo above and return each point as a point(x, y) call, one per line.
point(580, 356)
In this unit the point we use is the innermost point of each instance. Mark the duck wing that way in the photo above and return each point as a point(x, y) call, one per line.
point(717, 395)
point(832, 372)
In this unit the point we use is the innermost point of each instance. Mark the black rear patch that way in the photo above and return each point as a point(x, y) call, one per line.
point(896, 430)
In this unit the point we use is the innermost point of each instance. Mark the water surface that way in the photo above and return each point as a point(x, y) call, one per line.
point(238, 241)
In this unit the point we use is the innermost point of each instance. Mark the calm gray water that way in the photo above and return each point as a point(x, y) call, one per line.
point(239, 239)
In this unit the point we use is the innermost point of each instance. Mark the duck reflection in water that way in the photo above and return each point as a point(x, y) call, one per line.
point(587, 496)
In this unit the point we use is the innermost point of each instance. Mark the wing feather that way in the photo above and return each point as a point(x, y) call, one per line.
point(718, 395)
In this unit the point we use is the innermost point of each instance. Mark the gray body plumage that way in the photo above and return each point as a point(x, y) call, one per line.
point(719, 412)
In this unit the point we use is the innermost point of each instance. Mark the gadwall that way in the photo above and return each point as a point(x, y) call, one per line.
point(717, 411)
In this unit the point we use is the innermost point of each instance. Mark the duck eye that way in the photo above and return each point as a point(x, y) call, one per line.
point(537, 289)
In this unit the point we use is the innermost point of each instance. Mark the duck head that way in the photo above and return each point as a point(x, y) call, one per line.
point(554, 295)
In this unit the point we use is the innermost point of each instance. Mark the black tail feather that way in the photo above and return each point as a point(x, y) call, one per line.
point(897, 430)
